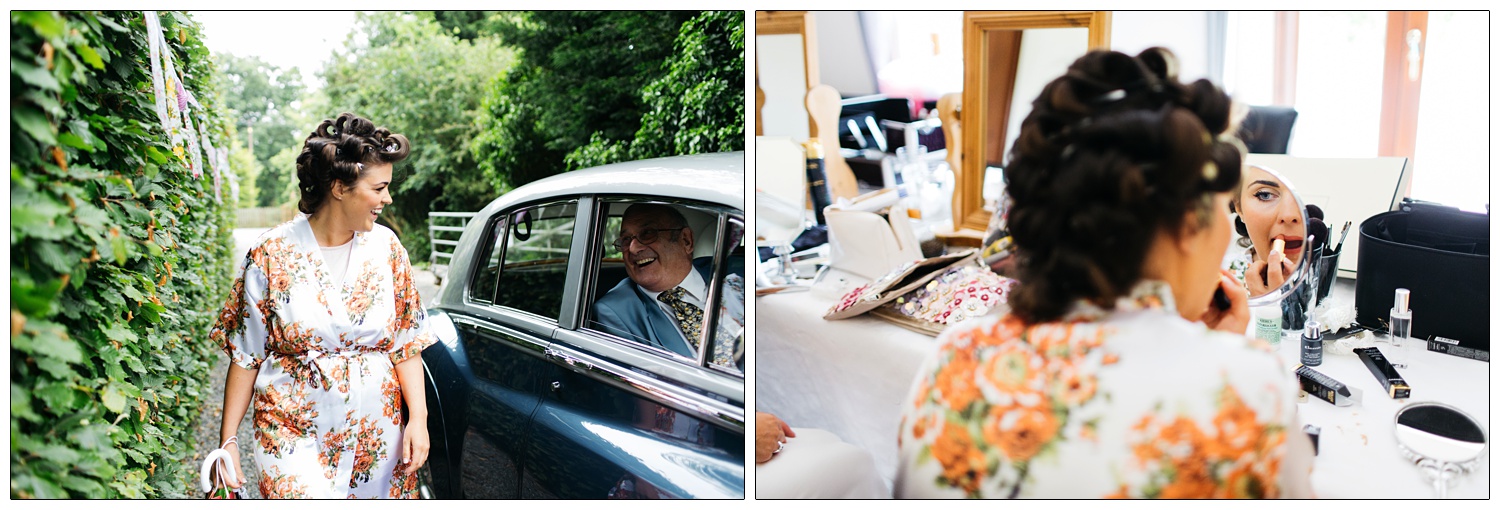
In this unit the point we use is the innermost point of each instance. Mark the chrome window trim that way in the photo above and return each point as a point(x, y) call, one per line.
point(589, 271)
point(532, 346)
point(570, 315)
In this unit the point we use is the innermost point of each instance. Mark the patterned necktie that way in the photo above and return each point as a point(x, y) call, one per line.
point(689, 317)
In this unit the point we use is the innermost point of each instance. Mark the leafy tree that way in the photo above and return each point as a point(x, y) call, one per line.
point(244, 164)
point(411, 77)
point(578, 76)
point(261, 97)
point(696, 107)
point(465, 25)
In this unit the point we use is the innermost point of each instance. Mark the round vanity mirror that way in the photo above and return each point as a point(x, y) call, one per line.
point(1270, 249)
point(1442, 440)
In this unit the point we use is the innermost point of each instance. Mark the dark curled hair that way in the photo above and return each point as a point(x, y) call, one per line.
point(1112, 152)
point(337, 150)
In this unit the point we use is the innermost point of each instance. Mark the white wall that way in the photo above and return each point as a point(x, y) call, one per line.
point(1185, 33)
point(843, 62)
point(784, 82)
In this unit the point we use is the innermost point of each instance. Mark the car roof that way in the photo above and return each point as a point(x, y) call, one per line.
point(716, 178)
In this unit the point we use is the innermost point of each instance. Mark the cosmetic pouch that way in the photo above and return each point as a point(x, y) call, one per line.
point(1440, 254)
point(868, 237)
point(896, 283)
point(962, 292)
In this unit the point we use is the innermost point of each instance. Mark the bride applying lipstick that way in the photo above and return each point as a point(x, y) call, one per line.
point(1273, 222)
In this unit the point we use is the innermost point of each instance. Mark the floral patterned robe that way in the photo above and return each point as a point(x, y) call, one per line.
point(327, 406)
point(1134, 402)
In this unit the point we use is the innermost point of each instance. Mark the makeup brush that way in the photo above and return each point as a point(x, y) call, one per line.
point(1318, 232)
point(1340, 246)
point(1314, 212)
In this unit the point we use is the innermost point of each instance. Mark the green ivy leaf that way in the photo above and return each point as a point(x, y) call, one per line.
point(46, 23)
point(87, 487)
point(20, 405)
point(58, 453)
point(119, 332)
point(74, 141)
point(28, 485)
point(59, 347)
point(89, 56)
point(156, 155)
point(111, 24)
point(114, 399)
point(34, 123)
point(60, 398)
point(119, 246)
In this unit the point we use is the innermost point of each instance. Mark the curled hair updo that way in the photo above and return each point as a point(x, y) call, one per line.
point(1112, 152)
point(337, 151)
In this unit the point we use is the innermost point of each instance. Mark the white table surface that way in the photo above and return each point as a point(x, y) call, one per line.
point(1358, 456)
point(849, 377)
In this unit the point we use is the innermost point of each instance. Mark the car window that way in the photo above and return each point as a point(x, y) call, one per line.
point(665, 252)
point(482, 286)
point(529, 258)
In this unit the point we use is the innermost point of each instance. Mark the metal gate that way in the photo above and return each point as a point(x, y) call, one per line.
point(443, 231)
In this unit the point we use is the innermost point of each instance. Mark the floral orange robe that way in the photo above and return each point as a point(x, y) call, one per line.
point(1134, 402)
point(327, 405)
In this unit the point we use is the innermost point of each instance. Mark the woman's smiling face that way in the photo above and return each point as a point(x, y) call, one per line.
point(1270, 212)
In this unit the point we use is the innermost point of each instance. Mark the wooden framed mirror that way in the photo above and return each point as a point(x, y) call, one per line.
point(1007, 53)
point(786, 43)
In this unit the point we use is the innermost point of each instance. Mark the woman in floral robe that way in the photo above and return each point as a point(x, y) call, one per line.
point(325, 331)
point(1112, 375)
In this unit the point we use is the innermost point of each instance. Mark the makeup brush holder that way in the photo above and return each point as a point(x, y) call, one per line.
point(1325, 272)
point(1295, 306)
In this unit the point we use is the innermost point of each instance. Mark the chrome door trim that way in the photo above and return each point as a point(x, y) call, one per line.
point(723, 414)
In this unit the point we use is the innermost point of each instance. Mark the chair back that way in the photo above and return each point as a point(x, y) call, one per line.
point(1268, 129)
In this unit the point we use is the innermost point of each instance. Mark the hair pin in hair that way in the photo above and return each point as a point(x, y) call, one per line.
point(390, 148)
point(1210, 171)
point(1110, 97)
point(360, 166)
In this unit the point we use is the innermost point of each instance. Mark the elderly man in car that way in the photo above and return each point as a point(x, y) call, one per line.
point(661, 302)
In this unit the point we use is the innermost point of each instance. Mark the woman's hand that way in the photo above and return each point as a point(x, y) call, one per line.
point(414, 445)
point(238, 479)
point(1237, 318)
point(1261, 280)
point(770, 435)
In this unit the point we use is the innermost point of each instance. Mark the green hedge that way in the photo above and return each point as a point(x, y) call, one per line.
point(119, 260)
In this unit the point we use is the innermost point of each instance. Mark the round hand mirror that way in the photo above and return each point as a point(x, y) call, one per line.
point(1271, 223)
point(1442, 440)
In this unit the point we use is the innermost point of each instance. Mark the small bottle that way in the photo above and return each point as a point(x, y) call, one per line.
point(1268, 324)
point(1401, 318)
point(1312, 344)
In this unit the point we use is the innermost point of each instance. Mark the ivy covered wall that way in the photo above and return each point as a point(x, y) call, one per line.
point(119, 257)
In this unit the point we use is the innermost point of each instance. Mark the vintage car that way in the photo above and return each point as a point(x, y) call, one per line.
point(529, 397)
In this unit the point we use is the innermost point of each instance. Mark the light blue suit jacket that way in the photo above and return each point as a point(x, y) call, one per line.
point(626, 310)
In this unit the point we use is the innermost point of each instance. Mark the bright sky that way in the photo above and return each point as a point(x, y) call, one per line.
point(284, 39)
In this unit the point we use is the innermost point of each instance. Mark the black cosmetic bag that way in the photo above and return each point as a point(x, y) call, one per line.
point(1440, 254)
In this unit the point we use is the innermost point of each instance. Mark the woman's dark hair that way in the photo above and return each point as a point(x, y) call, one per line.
point(1112, 152)
point(338, 151)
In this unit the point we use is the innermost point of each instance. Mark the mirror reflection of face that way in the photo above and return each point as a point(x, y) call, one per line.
point(1270, 212)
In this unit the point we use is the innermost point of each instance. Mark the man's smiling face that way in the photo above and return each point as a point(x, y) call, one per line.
point(661, 264)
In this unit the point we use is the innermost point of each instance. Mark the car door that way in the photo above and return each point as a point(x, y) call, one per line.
point(623, 418)
point(510, 310)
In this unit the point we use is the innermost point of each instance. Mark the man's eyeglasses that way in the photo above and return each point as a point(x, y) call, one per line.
point(647, 236)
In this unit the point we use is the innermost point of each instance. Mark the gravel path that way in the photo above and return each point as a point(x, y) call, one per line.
point(207, 429)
